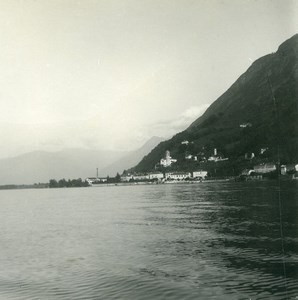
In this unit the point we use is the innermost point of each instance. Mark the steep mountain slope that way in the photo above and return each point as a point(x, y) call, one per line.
point(250, 97)
point(265, 96)
point(131, 159)
point(41, 166)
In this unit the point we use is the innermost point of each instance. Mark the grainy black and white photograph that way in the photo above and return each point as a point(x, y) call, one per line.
point(149, 149)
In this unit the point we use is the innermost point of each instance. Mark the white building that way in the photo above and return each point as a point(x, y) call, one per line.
point(263, 150)
point(265, 168)
point(199, 174)
point(168, 160)
point(90, 180)
point(244, 125)
point(216, 158)
point(177, 175)
point(126, 178)
point(213, 157)
point(283, 169)
point(141, 177)
point(185, 142)
point(156, 175)
point(95, 180)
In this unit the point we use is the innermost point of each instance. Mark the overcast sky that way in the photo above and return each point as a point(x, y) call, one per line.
point(111, 74)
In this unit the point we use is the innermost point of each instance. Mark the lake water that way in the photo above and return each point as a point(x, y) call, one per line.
point(190, 241)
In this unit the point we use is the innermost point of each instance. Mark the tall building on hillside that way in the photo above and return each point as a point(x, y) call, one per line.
point(167, 160)
point(216, 157)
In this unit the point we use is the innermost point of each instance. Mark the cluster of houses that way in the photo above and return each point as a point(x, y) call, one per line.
point(167, 160)
point(152, 176)
point(257, 172)
point(289, 169)
point(267, 168)
point(251, 155)
point(168, 176)
point(215, 157)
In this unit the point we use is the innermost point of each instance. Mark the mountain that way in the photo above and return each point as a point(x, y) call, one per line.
point(263, 100)
point(131, 159)
point(41, 166)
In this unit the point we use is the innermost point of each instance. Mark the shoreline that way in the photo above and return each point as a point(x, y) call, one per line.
point(213, 180)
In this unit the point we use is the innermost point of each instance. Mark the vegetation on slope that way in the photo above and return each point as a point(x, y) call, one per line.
point(264, 96)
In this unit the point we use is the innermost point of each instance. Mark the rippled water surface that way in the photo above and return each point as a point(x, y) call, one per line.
point(198, 241)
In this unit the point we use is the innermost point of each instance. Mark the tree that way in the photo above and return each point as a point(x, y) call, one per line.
point(118, 177)
point(53, 183)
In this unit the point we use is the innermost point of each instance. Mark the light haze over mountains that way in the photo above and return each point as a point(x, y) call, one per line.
point(41, 166)
point(106, 76)
point(111, 74)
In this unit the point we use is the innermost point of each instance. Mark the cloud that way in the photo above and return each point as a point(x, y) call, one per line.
point(194, 111)
point(101, 132)
point(167, 128)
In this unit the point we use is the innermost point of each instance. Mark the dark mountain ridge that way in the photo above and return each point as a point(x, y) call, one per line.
point(264, 98)
point(252, 89)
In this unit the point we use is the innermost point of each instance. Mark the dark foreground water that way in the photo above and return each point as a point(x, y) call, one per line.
point(199, 241)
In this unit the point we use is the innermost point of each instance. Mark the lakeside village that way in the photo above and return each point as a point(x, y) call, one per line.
point(258, 172)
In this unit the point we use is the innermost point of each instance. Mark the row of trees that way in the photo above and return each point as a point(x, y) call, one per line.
point(79, 182)
point(67, 183)
point(115, 179)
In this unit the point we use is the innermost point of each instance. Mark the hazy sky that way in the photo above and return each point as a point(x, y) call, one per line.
point(111, 74)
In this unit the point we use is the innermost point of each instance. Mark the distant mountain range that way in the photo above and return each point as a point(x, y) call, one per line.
point(41, 166)
point(259, 111)
point(130, 159)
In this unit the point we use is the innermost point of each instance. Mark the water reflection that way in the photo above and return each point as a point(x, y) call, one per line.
point(196, 241)
point(231, 236)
